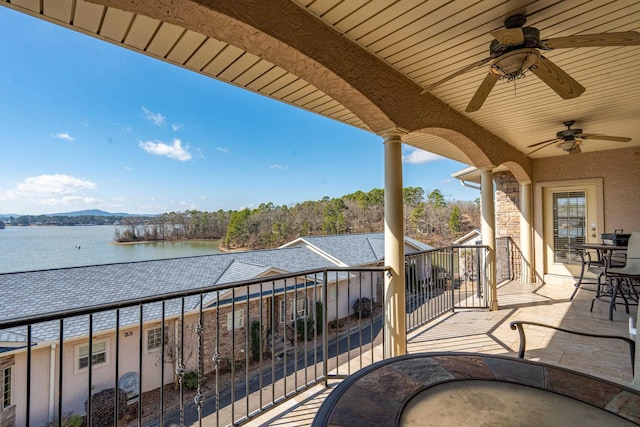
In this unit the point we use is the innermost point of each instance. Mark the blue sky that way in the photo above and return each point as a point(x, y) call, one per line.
point(89, 125)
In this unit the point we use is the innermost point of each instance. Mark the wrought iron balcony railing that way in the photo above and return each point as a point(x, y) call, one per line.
point(223, 353)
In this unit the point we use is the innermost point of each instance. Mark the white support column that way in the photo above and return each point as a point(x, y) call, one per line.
point(488, 218)
point(525, 233)
point(395, 331)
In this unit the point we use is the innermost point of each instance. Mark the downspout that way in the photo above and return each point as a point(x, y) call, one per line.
point(470, 184)
point(52, 380)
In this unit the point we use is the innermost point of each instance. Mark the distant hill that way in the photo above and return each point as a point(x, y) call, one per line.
point(94, 212)
point(88, 212)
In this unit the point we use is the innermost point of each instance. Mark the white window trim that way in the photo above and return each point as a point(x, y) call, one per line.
point(300, 312)
point(235, 320)
point(283, 312)
point(4, 387)
point(76, 354)
point(147, 333)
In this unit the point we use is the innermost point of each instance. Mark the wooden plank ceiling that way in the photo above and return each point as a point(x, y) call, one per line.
point(426, 41)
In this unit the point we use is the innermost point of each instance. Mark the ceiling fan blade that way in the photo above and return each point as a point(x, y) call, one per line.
point(543, 142)
point(627, 38)
point(604, 137)
point(562, 83)
point(456, 74)
point(509, 36)
point(483, 91)
point(548, 143)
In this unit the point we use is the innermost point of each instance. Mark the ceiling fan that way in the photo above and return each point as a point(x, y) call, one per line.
point(516, 50)
point(569, 139)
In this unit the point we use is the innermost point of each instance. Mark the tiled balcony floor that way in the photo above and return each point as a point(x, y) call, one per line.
point(488, 332)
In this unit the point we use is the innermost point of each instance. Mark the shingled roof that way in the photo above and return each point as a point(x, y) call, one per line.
point(354, 249)
point(55, 290)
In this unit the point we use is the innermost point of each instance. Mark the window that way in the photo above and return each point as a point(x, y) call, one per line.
point(154, 338)
point(300, 301)
point(98, 357)
point(569, 223)
point(6, 387)
point(235, 320)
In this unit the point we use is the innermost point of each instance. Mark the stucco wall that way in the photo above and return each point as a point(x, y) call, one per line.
point(620, 171)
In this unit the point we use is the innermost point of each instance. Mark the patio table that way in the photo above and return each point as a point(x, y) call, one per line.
point(436, 389)
point(602, 262)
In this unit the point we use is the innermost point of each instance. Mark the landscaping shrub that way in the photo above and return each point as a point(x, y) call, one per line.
point(72, 420)
point(190, 380)
point(256, 337)
point(102, 407)
point(302, 333)
point(337, 323)
point(362, 307)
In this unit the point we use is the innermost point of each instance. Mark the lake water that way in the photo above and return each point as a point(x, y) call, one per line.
point(36, 248)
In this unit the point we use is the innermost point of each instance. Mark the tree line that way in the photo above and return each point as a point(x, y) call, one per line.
point(26, 220)
point(427, 217)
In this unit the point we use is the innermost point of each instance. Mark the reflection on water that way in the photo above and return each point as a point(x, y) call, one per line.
point(36, 248)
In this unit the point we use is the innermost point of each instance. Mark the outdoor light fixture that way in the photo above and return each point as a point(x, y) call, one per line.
point(570, 146)
point(513, 65)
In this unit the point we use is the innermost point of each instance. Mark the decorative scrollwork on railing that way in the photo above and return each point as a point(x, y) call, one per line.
point(180, 371)
point(216, 359)
point(199, 397)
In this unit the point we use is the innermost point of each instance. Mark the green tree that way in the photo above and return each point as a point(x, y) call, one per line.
point(235, 230)
point(334, 221)
point(412, 196)
point(454, 220)
point(376, 196)
point(416, 217)
point(436, 198)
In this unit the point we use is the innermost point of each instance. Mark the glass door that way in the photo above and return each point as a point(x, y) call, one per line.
point(570, 216)
point(569, 224)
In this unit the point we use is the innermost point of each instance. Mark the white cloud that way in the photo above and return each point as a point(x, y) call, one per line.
point(63, 135)
point(419, 156)
point(156, 118)
point(277, 167)
point(173, 151)
point(54, 184)
point(177, 126)
point(223, 150)
point(52, 190)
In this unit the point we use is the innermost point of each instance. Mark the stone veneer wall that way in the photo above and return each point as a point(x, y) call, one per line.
point(507, 209)
point(507, 206)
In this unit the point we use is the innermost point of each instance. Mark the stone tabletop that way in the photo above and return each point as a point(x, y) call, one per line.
point(377, 395)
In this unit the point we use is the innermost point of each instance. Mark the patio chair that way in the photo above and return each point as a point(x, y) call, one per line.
point(630, 341)
point(628, 273)
point(623, 279)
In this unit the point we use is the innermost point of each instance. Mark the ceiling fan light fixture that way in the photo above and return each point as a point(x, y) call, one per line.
point(569, 145)
point(515, 64)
